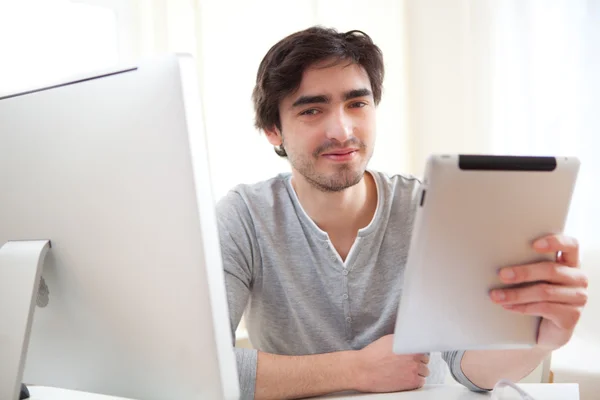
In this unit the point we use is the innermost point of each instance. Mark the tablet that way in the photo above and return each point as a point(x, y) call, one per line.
point(476, 214)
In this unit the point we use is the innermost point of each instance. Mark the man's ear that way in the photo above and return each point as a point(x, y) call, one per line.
point(274, 136)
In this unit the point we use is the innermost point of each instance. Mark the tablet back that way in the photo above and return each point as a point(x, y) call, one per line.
point(476, 215)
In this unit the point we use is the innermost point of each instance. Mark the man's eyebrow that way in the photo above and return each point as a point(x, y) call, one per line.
point(357, 93)
point(304, 100)
point(324, 99)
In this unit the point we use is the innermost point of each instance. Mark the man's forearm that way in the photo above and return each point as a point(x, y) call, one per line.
point(485, 368)
point(290, 377)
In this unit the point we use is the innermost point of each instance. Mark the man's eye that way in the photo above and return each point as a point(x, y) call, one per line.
point(312, 111)
point(358, 104)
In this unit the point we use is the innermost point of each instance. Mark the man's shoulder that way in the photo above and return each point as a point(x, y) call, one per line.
point(397, 182)
point(261, 193)
point(397, 192)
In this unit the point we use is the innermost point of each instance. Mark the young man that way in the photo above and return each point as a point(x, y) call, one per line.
point(316, 257)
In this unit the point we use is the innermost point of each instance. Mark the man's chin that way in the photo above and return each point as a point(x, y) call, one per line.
point(339, 181)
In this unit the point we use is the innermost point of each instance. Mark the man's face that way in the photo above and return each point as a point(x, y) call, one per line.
point(328, 125)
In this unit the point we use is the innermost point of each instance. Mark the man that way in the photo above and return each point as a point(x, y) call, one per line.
point(316, 257)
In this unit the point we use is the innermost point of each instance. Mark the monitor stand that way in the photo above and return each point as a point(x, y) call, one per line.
point(20, 275)
point(24, 392)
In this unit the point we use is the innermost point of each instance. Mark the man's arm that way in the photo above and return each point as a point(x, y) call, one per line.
point(289, 377)
point(374, 368)
point(237, 242)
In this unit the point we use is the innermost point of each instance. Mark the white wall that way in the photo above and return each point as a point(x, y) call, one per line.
point(448, 68)
point(44, 41)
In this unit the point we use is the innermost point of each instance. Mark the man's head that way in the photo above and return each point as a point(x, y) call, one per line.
point(315, 97)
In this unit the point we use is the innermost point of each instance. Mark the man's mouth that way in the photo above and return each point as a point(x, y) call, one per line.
point(341, 154)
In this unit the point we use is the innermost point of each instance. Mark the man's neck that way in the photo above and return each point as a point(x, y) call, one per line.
point(348, 210)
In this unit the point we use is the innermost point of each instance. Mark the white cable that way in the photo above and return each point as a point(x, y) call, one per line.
point(503, 383)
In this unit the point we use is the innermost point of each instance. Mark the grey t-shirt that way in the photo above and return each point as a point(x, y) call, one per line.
point(299, 296)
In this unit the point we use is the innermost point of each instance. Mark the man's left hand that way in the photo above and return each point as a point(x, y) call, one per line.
point(558, 293)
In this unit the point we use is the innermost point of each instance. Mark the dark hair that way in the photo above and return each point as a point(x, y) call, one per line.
point(280, 72)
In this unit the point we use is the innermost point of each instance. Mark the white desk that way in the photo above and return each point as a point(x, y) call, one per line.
point(539, 391)
point(554, 391)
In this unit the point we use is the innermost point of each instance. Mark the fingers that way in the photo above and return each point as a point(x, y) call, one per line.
point(543, 292)
point(423, 370)
point(424, 358)
point(562, 315)
point(547, 271)
point(568, 248)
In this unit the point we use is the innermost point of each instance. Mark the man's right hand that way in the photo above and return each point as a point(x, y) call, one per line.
point(379, 369)
point(374, 368)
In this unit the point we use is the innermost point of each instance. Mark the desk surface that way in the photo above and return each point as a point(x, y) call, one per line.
point(553, 391)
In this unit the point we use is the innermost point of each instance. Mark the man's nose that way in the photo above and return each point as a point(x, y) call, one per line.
point(340, 126)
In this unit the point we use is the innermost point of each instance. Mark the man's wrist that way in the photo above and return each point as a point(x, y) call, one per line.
point(351, 370)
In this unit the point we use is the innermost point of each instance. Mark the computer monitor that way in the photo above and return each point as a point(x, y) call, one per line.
point(109, 175)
